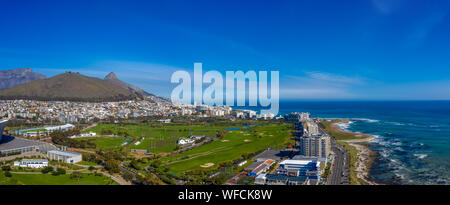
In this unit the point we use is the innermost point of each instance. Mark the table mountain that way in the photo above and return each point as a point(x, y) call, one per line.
point(15, 77)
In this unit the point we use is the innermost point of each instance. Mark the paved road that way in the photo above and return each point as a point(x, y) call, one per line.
point(340, 167)
point(117, 179)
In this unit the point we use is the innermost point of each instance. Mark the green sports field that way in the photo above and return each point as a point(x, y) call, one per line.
point(48, 179)
point(155, 139)
point(105, 141)
point(234, 144)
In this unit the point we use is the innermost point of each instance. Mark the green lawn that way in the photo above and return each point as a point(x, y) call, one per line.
point(156, 139)
point(48, 179)
point(231, 147)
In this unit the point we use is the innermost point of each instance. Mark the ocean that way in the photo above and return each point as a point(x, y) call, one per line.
point(412, 137)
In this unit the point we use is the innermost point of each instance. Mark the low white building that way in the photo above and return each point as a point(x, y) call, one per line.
point(32, 163)
point(67, 157)
point(165, 120)
point(185, 141)
point(250, 113)
point(90, 134)
point(267, 116)
point(260, 179)
point(239, 114)
point(63, 128)
point(242, 163)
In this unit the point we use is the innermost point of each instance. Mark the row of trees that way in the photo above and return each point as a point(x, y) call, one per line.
point(50, 169)
point(110, 132)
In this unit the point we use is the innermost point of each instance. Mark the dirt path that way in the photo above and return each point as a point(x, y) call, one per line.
point(89, 127)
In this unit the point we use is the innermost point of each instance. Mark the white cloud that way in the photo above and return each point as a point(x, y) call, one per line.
point(334, 78)
point(314, 93)
point(319, 85)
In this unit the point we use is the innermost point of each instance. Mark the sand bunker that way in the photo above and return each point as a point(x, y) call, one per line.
point(247, 140)
point(210, 164)
point(225, 140)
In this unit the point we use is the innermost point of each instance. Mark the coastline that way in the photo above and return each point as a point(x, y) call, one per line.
point(365, 158)
point(358, 141)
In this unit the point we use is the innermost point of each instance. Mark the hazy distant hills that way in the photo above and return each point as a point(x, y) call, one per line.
point(72, 87)
point(111, 77)
point(15, 77)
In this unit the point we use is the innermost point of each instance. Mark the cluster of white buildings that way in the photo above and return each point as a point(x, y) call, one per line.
point(71, 112)
point(32, 163)
point(202, 110)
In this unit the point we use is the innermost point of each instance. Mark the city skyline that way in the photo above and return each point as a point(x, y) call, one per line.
point(324, 50)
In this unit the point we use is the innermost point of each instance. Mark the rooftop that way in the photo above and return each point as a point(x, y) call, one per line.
point(274, 154)
point(9, 143)
point(34, 160)
point(299, 162)
point(261, 176)
point(60, 127)
point(254, 165)
point(64, 153)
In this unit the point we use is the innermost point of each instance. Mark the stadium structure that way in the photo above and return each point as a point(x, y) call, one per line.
point(16, 145)
point(2, 127)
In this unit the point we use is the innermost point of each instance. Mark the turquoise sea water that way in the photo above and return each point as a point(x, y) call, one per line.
point(412, 137)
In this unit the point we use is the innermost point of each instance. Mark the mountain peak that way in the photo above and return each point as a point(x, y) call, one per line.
point(111, 76)
point(69, 86)
point(14, 77)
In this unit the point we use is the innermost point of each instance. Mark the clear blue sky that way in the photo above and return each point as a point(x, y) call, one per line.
point(341, 49)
